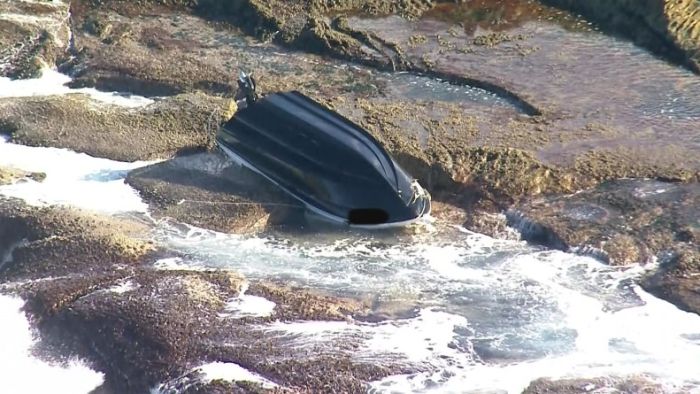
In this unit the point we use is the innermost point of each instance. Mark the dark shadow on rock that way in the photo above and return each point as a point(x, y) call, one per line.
point(12, 231)
point(206, 190)
point(534, 232)
point(678, 279)
point(646, 23)
point(7, 128)
point(126, 84)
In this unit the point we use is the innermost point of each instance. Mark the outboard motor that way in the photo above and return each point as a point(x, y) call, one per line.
point(246, 85)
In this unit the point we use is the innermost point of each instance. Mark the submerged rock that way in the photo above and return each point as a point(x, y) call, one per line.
point(11, 175)
point(671, 27)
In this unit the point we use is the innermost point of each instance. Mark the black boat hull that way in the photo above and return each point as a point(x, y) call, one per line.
point(333, 166)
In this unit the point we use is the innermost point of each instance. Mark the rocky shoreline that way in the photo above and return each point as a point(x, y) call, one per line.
point(568, 174)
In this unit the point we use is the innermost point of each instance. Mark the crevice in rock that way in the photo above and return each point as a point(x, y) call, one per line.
point(396, 61)
point(590, 251)
point(518, 102)
point(6, 254)
point(534, 232)
point(13, 234)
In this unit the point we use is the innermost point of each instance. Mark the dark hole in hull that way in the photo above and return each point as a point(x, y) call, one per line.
point(368, 216)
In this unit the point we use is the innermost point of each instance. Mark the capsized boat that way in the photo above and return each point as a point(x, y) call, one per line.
point(330, 164)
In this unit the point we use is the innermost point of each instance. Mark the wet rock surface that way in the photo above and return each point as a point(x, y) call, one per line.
point(11, 175)
point(678, 280)
point(54, 242)
point(568, 145)
point(664, 26)
point(26, 44)
point(617, 385)
point(572, 129)
point(627, 221)
point(77, 122)
point(92, 292)
point(144, 327)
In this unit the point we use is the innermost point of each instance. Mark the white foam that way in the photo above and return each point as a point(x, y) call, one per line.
point(172, 263)
point(233, 372)
point(22, 373)
point(558, 295)
point(248, 305)
point(123, 286)
point(655, 335)
point(52, 82)
point(74, 179)
point(418, 340)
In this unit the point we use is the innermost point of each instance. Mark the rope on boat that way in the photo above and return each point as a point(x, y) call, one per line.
point(238, 203)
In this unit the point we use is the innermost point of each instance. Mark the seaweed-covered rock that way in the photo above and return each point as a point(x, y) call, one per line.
point(626, 221)
point(437, 144)
point(301, 304)
point(504, 152)
point(95, 297)
point(142, 327)
point(184, 122)
point(62, 241)
point(37, 37)
point(628, 385)
point(139, 330)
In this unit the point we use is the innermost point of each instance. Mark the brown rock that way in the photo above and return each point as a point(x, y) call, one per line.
point(12, 175)
point(303, 304)
point(627, 221)
point(631, 385)
point(76, 122)
point(36, 39)
point(624, 249)
point(678, 280)
point(63, 241)
point(138, 336)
